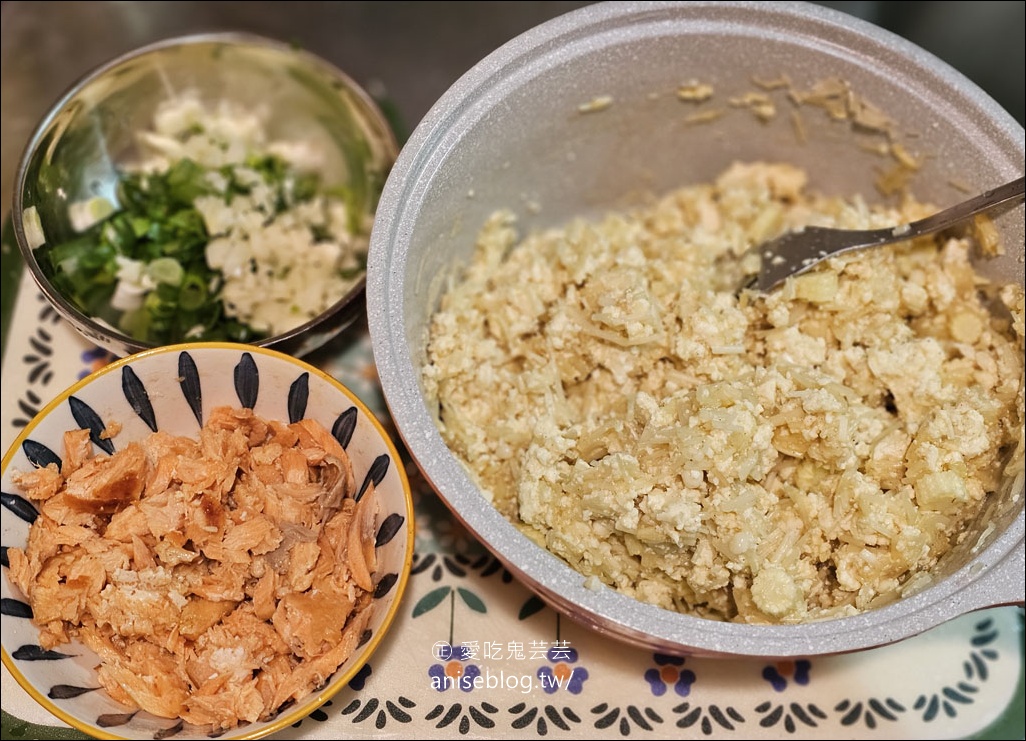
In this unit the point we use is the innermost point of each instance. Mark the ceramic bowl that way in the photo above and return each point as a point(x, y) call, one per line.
point(582, 115)
point(78, 151)
point(173, 390)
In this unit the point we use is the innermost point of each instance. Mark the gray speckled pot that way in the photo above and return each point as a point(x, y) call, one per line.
point(509, 134)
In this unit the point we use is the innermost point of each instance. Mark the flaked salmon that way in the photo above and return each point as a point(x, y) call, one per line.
point(217, 578)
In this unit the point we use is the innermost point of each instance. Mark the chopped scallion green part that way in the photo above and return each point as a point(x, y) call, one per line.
point(165, 270)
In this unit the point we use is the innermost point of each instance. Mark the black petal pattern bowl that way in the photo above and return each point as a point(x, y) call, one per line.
point(173, 389)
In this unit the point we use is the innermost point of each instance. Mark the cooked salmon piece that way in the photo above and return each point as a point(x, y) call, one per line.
point(102, 485)
point(311, 622)
point(253, 536)
point(78, 449)
point(264, 593)
point(128, 523)
point(337, 481)
point(199, 615)
point(294, 467)
point(45, 539)
point(61, 588)
point(244, 421)
point(221, 703)
point(298, 576)
point(171, 550)
point(150, 676)
point(313, 673)
point(39, 484)
point(316, 442)
point(217, 578)
point(361, 541)
point(164, 452)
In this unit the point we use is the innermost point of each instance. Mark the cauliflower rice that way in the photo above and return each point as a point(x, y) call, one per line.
point(764, 459)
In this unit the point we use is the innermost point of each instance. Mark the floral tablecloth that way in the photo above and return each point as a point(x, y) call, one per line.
point(473, 653)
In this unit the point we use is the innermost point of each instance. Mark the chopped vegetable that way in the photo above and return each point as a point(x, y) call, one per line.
point(220, 236)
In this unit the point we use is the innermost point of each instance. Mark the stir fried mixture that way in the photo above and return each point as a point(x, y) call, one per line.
point(218, 233)
point(217, 578)
point(769, 459)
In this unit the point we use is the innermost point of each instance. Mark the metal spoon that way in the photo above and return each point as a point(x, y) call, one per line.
point(796, 252)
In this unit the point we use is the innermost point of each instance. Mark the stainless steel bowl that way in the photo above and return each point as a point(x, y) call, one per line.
point(76, 150)
point(509, 134)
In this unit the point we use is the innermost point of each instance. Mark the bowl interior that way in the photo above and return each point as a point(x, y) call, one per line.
point(92, 132)
point(172, 389)
point(580, 116)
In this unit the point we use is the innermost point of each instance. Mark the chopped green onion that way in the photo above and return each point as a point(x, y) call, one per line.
point(193, 292)
point(165, 270)
point(151, 249)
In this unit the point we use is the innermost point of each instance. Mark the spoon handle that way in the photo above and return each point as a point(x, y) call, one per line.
point(794, 253)
point(962, 211)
